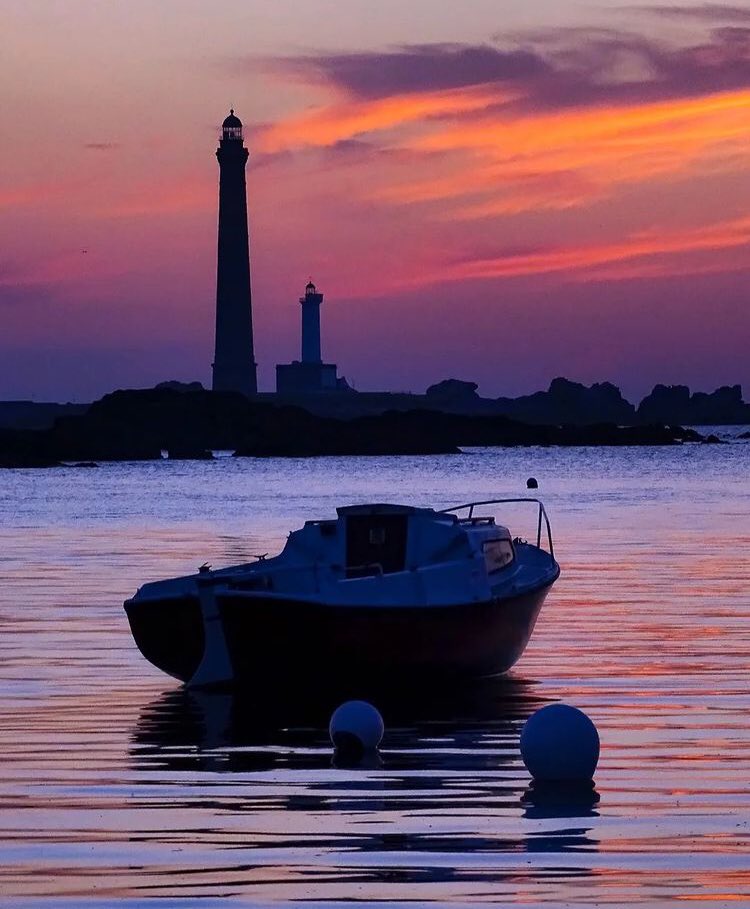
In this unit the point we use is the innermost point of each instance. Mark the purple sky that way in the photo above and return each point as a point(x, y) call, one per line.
point(496, 192)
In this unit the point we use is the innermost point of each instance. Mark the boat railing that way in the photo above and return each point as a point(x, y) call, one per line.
point(542, 518)
point(374, 569)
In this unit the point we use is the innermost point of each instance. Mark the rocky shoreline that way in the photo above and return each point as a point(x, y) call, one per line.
point(143, 425)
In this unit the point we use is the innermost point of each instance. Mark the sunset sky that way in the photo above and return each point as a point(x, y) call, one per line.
point(496, 191)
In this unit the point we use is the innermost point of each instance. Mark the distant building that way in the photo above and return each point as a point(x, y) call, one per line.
point(309, 375)
point(234, 360)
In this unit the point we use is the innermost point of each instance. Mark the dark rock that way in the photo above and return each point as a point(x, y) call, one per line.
point(571, 403)
point(666, 404)
point(565, 402)
point(609, 434)
point(91, 438)
point(744, 435)
point(138, 425)
point(174, 385)
point(436, 432)
point(298, 434)
point(721, 407)
point(190, 454)
point(684, 434)
point(453, 391)
point(675, 404)
point(32, 415)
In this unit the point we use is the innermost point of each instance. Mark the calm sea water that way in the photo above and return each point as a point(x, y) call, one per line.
point(118, 789)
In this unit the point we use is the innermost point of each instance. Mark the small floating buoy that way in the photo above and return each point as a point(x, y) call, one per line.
point(531, 483)
point(560, 743)
point(356, 729)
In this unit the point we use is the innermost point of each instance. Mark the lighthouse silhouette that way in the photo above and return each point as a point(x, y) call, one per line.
point(234, 367)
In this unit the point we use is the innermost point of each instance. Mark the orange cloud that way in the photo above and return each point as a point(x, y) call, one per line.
point(502, 161)
point(336, 123)
point(641, 246)
point(505, 159)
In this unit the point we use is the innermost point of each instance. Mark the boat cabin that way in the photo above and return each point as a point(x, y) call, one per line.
point(382, 539)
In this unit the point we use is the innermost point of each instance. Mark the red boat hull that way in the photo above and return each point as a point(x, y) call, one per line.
point(307, 641)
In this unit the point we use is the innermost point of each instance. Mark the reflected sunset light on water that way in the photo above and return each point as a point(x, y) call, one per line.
point(120, 787)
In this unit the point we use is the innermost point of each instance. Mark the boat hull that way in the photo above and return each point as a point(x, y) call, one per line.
point(169, 632)
point(299, 641)
point(382, 594)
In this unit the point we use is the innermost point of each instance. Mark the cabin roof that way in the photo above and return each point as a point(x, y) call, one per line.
point(381, 508)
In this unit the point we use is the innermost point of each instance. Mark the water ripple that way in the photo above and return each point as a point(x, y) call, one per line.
point(116, 788)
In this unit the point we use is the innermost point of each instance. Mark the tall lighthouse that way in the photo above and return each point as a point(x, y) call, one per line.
point(234, 367)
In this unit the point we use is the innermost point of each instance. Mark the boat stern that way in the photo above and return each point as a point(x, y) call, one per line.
point(168, 630)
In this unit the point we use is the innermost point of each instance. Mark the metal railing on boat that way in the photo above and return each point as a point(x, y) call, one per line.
point(541, 516)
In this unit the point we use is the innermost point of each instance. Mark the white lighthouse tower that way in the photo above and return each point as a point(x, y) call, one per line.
point(311, 324)
point(309, 375)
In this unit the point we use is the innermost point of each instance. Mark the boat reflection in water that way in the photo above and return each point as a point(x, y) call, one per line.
point(472, 725)
point(449, 807)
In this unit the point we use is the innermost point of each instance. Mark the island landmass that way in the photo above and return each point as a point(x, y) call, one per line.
point(186, 421)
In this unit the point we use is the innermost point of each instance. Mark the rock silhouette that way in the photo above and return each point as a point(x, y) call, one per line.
point(139, 425)
point(571, 402)
point(564, 403)
point(674, 402)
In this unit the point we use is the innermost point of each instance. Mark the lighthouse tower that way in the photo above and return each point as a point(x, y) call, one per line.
point(311, 324)
point(310, 375)
point(234, 366)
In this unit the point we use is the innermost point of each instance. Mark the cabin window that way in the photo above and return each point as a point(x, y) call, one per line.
point(375, 544)
point(377, 536)
point(497, 554)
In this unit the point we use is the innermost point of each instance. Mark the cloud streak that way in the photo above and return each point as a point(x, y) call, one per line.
point(638, 251)
point(513, 150)
point(560, 122)
point(415, 69)
point(330, 126)
point(560, 69)
point(707, 12)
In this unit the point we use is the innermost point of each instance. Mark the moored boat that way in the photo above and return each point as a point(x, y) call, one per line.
point(381, 594)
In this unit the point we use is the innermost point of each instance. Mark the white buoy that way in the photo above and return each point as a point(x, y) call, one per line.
point(356, 729)
point(559, 743)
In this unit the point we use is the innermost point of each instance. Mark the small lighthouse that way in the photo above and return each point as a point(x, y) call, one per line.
point(234, 366)
point(309, 375)
point(311, 324)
